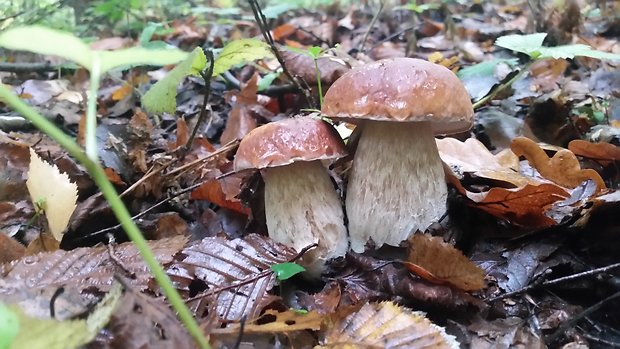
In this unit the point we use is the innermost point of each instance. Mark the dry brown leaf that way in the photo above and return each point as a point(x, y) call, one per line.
point(232, 276)
point(524, 206)
point(273, 321)
point(603, 152)
point(142, 321)
point(241, 121)
point(283, 31)
point(385, 325)
point(301, 65)
point(563, 168)
point(444, 263)
point(43, 243)
point(83, 267)
point(10, 249)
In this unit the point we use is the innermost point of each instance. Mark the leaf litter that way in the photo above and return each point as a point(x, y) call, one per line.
point(522, 213)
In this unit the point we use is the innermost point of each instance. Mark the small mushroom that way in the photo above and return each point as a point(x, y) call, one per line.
point(397, 184)
point(302, 206)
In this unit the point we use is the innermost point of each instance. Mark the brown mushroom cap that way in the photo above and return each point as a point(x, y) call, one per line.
point(286, 141)
point(401, 89)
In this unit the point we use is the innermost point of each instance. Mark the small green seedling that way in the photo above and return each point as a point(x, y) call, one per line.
point(315, 53)
point(287, 270)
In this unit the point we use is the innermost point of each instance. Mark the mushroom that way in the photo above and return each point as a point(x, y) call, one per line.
point(397, 184)
point(301, 205)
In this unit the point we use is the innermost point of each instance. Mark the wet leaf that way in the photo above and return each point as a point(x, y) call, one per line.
point(228, 278)
point(9, 326)
point(212, 191)
point(444, 263)
point(385, 325)
point(53, 191)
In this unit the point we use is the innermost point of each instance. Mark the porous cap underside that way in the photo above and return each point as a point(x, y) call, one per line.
point(286, 141)
point(401, 89)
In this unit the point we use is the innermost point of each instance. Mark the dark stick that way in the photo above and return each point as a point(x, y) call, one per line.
point(206, 75)
point(557, 281)
point(261, 20)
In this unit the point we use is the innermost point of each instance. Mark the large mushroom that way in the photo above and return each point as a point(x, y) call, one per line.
point(397, 184)
point(302, 206)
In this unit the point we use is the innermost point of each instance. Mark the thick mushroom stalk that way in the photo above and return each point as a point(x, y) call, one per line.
point(397, 185)
point(302, 208)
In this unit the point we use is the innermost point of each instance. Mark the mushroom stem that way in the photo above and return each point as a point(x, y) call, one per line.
point(302, 207)
point(397, 185)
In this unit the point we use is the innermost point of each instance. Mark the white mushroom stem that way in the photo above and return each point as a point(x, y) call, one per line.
point(302, 207)
point(397, 185)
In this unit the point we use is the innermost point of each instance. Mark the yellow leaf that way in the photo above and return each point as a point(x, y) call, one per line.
point(53, 191)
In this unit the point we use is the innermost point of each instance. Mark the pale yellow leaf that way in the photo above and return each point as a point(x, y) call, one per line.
point(53, 191)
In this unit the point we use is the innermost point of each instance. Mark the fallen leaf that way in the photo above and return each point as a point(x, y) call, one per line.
point(273, 321)
point(302, 65)
point(43, 243)
point(228, 279)
point(384, 325)
point(444, 263)
point(241, 120)
point(52, 190)
point(212, 191)
point(10, 249)
point(563, 168)
point(602, 152)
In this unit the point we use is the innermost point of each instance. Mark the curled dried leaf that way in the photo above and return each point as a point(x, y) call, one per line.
point(443, 263)
point(563, 168)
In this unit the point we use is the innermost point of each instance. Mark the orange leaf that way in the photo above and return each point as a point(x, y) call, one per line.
point(521, 206)
point(212, 191)
point(283, 31)
point(439, 262)
point(122, 92)
point(596, 151)
point(563, 168)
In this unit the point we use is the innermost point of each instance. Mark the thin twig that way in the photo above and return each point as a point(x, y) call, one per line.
point(558, 281)
point(220, 151)
point(575, 319)
point(502, 86)
point(370, 26)
point(206, 76)
point(261, 21)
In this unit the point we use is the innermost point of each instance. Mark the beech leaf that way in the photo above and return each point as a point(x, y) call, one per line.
point(444, 263)
point(385, 325)
point(53, 191)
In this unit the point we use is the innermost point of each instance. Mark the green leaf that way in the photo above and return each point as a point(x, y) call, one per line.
point(315, 52)
point(486, 68)
point(240, 51)
point(532, 46)
point(570, 51)
point(53, 42)
point(9, 326)
point(287, 270)
point(162, 96)
point(139, 56)
point(47, 41)
point(267, 80)
point(273, 11)
point(147, 32)
point(527, 44)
